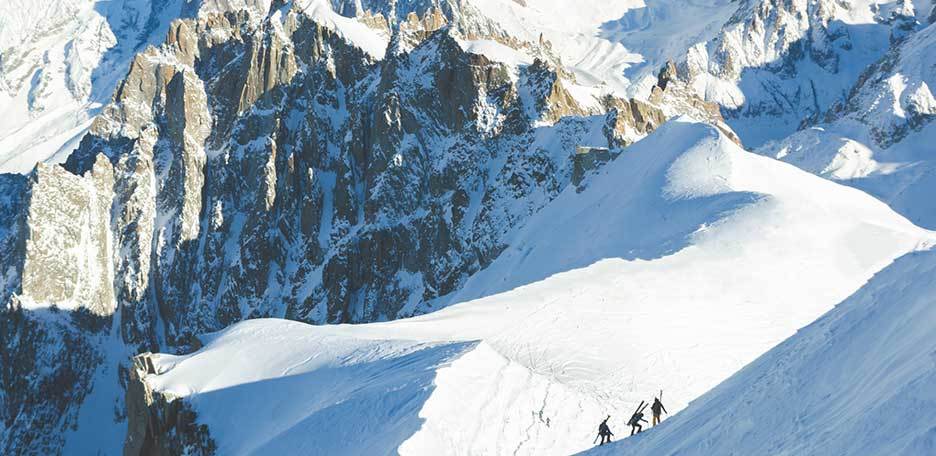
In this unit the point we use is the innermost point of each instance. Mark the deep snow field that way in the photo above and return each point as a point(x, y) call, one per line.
point(680, 263)
point(860, 380)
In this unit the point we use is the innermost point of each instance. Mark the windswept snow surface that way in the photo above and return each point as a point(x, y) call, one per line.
point(806, 395)
point(496, 51)
point(682, 261)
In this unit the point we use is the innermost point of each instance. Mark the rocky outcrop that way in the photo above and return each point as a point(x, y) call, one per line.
point(552, 101)
point(67, 253)
point(586, 160)
point(777, 65)
point(629, 120)
point(158, 423)
point(47, 367)
point(267, 167)
point(674, 96)
point(263, 165)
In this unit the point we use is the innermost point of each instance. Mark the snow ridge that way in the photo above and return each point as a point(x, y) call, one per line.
point(804, 395)
point(558, 327)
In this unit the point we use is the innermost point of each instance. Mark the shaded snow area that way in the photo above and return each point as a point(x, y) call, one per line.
point(860, 380)
point(281, 387)
point(682, 261)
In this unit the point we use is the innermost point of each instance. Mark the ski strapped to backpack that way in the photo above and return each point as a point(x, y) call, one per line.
point(635, 418)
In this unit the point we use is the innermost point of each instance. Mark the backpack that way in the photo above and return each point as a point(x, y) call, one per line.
point(635, 419)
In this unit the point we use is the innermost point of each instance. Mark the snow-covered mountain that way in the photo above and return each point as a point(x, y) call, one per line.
point(778, 65)
point(689, 247)
point(60, 60)
point(284, 162)
point(532, 212)
point(880, 138)
point(59, 63)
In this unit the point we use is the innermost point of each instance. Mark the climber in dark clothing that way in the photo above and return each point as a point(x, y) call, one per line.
point(656, 408)
point(635, 420)
point(604, 431)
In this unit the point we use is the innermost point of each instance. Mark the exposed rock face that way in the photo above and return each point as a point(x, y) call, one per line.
point(334, 193)
point(778, 64)
point(12, 199)
point(68, 241)
point(261, 164)
point(46, 369)
point(588, 159)
point(629, 120)
point(674, 96)
point(552, 100)
point(159, 424)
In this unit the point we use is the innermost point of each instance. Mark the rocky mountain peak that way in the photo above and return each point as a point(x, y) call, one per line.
point(358, 161)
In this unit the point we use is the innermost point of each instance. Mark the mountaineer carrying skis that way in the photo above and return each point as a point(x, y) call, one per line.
point(604, 431)
point(636, 418)
point(656, 408)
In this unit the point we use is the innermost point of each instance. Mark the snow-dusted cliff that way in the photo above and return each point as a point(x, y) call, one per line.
point(184, 165)
point(685, 235)
point(880, 138)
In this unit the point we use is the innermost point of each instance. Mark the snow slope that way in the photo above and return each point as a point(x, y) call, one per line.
point(682, 261)
point(804, 397)
point(881, 140)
